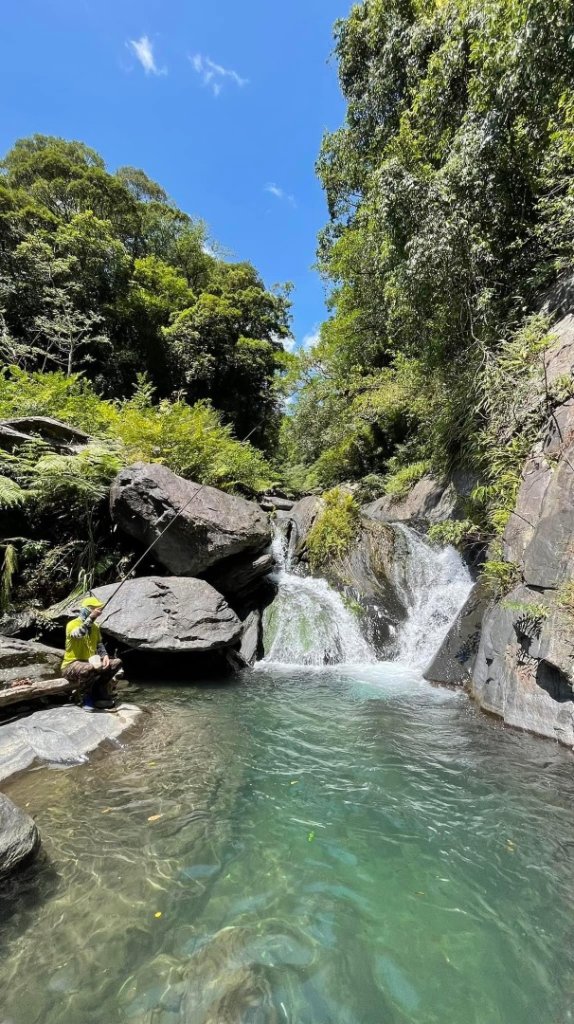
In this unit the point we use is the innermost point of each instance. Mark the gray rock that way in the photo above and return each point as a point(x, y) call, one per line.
point(274, 503)
point(211, 525)
point(428, 502)
point(19, 837)
point(454, 661)
point(251, 637)
point(168, 613)
point(365, 574)
point(60, 736)
point(302, 517)
point(239, 577)
point(25, 659)
point(49, 429)
point(512, 679)
point(549, 555)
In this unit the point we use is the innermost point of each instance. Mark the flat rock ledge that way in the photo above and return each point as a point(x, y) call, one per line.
point(19, 837)
point(60, 737)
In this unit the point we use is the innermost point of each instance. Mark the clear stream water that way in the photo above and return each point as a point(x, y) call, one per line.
point(313, 845)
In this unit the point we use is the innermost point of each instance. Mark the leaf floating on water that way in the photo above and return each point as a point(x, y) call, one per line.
point(419, 893)
point(294, 782)
point(157, 913)
point(155, 817)
point(107, 810)
point(310, 837)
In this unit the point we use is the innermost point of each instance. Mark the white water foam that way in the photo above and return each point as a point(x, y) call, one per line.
point(433, 584)
point(308, 622)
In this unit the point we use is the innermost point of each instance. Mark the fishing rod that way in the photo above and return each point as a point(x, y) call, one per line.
point(168, 527)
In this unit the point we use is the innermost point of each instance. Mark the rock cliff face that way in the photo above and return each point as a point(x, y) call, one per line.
point(524, 667)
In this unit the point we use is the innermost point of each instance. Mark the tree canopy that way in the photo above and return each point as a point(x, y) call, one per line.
point(451, 200)
point(101, 273)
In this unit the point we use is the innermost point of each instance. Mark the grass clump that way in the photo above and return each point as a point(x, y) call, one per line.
point(402, 480)
point(335, 528)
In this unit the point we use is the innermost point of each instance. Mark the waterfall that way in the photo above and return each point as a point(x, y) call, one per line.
point(433, 584)
point(308, 622)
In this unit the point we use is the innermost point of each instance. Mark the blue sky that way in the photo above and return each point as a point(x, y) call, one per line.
point(224, 103)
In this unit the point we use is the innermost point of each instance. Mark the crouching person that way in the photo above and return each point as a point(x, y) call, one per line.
point(86, 660)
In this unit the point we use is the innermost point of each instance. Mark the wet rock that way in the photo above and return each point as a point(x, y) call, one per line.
point(60, 736)
point(365, 574)
point(19, 837)
point(25, 659)
point(454, 661)
point(429, 501)
point(211, 525)
point(251, 638)
point(302, 517)
point(170, 614)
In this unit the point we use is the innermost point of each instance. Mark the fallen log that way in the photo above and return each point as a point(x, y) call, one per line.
point(26, 690)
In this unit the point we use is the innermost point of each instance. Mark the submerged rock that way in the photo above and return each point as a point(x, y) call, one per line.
point(169, 613)
point(19, 837)
point(59, 736)
point(211, 525)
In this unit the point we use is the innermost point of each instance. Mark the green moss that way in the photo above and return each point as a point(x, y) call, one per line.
point(335, 528)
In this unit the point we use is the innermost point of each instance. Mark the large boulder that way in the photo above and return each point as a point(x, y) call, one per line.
point(169, 614)
point(208, 524)
point(524, 669)
point(25, 659)
point(428, 502)
point(302, 518)
point(19, 837)
point(60, 736)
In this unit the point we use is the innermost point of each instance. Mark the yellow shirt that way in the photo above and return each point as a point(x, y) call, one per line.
point(83, 647)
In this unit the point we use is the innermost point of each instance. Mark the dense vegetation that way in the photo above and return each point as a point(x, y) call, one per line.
point(451, 196)
point(102, 273)
point(117, 316)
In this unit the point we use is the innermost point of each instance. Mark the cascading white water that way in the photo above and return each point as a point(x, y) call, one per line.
point(308, 623)
point(433, 584)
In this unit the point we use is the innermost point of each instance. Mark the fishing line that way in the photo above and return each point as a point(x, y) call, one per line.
point(168, 527)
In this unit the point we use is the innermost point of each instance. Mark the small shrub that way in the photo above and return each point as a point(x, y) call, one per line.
point(499, 577)
point(335, 528)
point(401, 481)
point(565, 597)
point(452, 531)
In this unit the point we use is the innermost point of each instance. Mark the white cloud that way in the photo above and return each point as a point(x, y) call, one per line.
point(143, 49)
point(289, 343)
point(312, 338)
point(215, 75)
point(280, 193)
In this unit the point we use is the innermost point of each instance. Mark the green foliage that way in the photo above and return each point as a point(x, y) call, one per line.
point(7, 573)
point(102, 273)
point(451, 206)
point(499, 577)
point(565, 597)
point(402, 480)
point(531, 612)
point(190, 440)
point(452, 531)
point(334, 529)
